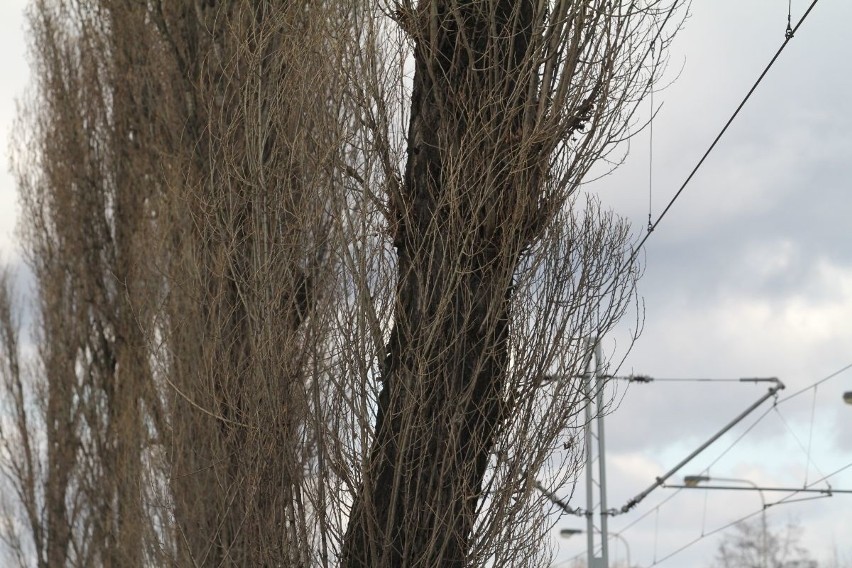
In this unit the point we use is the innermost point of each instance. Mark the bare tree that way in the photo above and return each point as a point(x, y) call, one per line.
point(84, 229)
point(319, 311)
point(747, 547)
point(500, 279)
point(83, 417)
point(175, 183)
point(249, 194)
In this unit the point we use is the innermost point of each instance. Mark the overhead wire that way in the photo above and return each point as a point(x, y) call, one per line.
point(817, 383)
point(651, 154)
point(787, 37)
point(737, 440)
point(789, 34)
point(673, 495)
point(746, 431)
point(774, 407)
point(647, 379)
point(703, 535)
point(811, 435)
point(656, 530)
point(820, 480)
point(657, 561)
point(786, 499)
point(796, 438)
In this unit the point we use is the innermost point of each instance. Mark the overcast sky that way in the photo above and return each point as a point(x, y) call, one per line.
point(14, 75)
point(750, 274)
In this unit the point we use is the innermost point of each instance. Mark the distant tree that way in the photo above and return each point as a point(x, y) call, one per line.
point(745, 547)
point(175, 177)
point(82, 403)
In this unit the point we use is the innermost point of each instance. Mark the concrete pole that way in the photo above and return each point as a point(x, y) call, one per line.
point(590, 478)
point(594, 417)
point(599, 384)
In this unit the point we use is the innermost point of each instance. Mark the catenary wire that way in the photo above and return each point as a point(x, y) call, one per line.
point(817, 383)
point(647, 379)
point(811, 435)
point(796, 438)
point(754, 424)
point(787, 499)
point(787, 38)
point(657, 561)
point(651, 158)
point(739, 438)
point(676, 492)
point(820, 480)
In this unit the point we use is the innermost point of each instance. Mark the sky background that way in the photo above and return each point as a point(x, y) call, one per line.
point(14, 77)
point(749, 275)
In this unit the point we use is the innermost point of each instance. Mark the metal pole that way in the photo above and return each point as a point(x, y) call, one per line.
point(601, 458)
point(590, 504)
point(568, 533)
point(763, 522)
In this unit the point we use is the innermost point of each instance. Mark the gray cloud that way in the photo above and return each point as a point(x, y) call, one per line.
point(750, 274)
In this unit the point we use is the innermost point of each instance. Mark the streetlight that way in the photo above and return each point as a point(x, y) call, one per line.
point(568, 533)
point(847, 397)
point(694, 480)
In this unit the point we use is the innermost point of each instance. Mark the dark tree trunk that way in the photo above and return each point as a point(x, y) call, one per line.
point(460, 224)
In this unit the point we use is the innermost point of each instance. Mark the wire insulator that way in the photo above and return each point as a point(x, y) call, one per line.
point(789, 33)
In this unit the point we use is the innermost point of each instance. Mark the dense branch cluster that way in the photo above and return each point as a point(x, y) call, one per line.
point(315, 281)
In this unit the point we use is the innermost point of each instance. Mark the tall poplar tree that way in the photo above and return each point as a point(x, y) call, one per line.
point(315, 282)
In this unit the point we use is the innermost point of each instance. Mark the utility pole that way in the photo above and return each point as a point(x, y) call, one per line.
point(594, 428)
point(593, 387)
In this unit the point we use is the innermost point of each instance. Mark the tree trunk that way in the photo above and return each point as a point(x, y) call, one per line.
point(460, 222)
